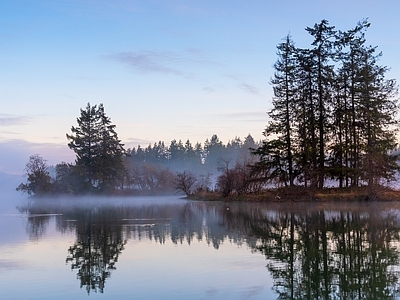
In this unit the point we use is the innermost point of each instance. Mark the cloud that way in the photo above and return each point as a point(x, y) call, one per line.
point(249, 116)
point(134, 142)
point(249, 88)
point(209, 89)
point(151, 61)
point(195, 51)
point(7, 264)
point(166, 62)
point(9, 120)
point(14, 154)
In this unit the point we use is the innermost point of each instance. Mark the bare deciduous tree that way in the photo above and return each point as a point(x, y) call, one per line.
point(38, 177)
point(185, 182)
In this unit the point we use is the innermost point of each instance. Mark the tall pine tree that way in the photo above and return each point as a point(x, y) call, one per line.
point(98, 150)
point(323, 44)
point(334, 113)
point(277, 150)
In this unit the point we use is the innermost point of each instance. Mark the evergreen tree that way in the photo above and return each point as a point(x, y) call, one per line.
point(272, 165)
point(84, 141)
point(344, 157)
point(305, 119)
point(156, 154)
point(213, 150)
point(377, 110)
point(323, 43)
point(176, 152)
point(334, 113)
point(111, 170)
point(68, 180)
point(98, 150)
point(192, 159)
point(280, 126)
point(199, 151)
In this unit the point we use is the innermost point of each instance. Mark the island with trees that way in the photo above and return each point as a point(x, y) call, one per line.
point(331, 134)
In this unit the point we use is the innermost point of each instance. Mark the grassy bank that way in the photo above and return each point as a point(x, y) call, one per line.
point(301, 194)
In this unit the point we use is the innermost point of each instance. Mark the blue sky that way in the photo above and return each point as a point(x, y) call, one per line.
point(163, 69)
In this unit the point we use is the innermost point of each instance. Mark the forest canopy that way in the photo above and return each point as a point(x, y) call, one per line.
point(334, 115)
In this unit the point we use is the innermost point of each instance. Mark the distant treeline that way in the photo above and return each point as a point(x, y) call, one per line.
point(179, 156)
point(163, 168)
point(334, 117)
point(102, 164)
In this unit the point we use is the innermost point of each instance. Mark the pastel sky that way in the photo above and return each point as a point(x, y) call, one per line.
point(164, 70)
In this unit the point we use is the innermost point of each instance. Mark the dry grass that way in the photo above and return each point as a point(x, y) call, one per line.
point(301, 194)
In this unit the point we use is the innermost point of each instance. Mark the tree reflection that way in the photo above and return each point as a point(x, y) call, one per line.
point(96, 250)
point(37, 221)
point(327, 255)
point(36, 226)
point(313, 252)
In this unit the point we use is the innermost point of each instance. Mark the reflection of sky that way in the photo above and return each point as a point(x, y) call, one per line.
point(13, 229)
point(33, 261)
point(36, 269)
point(197, 271)
point(11, 222)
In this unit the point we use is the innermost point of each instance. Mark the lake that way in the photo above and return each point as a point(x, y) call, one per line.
point(171, 248)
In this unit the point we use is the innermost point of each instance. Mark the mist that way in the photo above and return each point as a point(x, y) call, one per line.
point(15, 153)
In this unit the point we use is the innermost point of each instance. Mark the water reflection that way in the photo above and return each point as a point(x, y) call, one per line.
point(36, 225)
point(331, 255)
point(96, 250)
point(312, 252)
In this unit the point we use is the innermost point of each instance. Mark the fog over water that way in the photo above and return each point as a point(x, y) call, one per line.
point(9, 197)
point(158, 247)
point(139, 248)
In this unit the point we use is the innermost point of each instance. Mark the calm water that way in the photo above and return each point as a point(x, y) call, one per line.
point(169, 248)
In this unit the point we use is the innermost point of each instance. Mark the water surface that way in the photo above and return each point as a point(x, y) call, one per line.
point(166, 247)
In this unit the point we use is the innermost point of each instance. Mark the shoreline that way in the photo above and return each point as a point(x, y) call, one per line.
point(300, 194)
